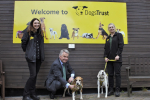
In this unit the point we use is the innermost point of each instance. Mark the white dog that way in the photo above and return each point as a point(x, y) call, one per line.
point(78, 85)
point(102, 81)
point(52, 33)
point(122, 32)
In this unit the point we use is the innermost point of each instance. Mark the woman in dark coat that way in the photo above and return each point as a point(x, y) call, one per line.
point(113, 56)
point(33, 46)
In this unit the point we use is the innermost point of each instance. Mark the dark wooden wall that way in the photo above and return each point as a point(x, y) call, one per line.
point(86, 59)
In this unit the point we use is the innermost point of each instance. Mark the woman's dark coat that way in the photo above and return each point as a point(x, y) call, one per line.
point(29, 45)
point(116, 47)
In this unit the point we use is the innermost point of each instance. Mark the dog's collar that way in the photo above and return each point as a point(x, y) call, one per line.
point(101, 81)
point(101, 78)
point(76, 88)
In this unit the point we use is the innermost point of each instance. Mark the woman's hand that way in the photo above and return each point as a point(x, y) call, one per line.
point(106, 59)
point(117, 57)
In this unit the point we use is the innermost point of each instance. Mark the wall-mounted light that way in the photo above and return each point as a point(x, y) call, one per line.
point(71, 46)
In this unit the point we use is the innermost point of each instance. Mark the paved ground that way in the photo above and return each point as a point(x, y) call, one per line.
point(136, 95)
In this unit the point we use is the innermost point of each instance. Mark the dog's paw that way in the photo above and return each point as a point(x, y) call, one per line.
point(81, 98)
point(98, 96)
point(105, 96)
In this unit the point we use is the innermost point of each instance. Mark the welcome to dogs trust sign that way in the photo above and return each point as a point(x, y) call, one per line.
point(71, 21)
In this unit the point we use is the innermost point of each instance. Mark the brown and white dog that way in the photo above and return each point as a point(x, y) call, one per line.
point(75, 33)
point(78, 83)
point(43, 26)
point(19, 34)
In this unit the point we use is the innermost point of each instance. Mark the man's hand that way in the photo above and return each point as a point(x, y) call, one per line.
point(70, 79)
point(106, 59)
point(71, 86)
point(117, 57)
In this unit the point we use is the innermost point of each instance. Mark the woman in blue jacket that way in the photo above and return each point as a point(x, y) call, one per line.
point(33, 46)
point(113, 56)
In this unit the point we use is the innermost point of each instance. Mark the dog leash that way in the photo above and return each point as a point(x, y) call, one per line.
point(106, 64)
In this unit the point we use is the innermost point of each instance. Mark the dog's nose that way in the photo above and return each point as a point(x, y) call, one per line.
point(78, 84)
point(81, 12)
point(102, 73)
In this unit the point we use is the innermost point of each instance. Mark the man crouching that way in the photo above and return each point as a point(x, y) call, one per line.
point(58, 74)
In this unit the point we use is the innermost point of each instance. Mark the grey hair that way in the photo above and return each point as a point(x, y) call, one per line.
point(63, 50)
point(112, 24)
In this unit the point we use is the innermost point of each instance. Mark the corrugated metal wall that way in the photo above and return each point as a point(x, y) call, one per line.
point(86, 59)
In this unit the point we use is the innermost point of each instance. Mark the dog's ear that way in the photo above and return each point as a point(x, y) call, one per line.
point(82, 80)
point(104, 73)
point(74, 82)
point(75, 7)
point(98, 75)
point(85, 7)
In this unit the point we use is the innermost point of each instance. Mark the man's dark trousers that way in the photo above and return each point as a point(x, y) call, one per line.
point(55, 85)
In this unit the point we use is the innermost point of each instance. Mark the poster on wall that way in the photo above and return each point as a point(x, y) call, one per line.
point(83, 22)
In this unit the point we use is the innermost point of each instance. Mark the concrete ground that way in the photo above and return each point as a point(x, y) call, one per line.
point(136, 95)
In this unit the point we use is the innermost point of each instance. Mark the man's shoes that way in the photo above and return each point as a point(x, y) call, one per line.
point(34, 97)
point(117, 92)
point(27, 98)
point(68, 94)
point(52, 95)
point(111, 92)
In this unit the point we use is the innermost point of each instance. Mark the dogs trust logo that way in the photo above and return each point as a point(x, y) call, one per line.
point(82, 10)
point(79, 9)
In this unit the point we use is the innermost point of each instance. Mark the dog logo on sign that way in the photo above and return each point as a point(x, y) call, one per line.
point(79, 9)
